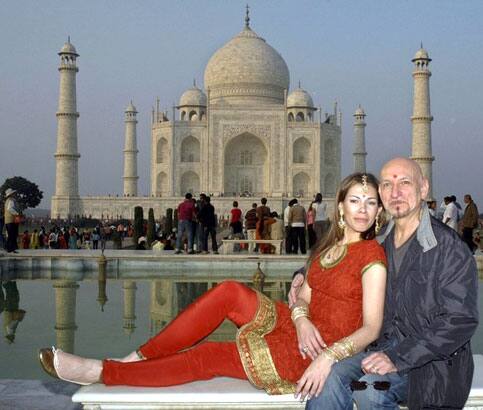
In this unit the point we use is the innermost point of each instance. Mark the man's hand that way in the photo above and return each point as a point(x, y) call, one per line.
point(297, 283)
point(378, 363)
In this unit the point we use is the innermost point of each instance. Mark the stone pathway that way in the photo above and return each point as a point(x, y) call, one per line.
point(37, 395)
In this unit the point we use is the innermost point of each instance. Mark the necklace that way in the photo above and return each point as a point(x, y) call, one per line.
point(333, 255)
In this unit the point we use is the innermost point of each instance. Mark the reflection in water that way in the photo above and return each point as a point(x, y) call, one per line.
point(168, 298)
point(65, 327)
point(129, 318)
point(9, 305)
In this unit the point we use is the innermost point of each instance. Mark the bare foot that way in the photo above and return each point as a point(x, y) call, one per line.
point(77, 369)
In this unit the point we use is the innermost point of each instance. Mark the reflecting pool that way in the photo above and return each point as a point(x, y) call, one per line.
point(99, 321)
point(91, 319)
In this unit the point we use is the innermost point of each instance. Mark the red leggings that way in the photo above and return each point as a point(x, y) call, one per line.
point(175, 356)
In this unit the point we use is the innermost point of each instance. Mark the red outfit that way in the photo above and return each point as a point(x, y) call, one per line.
point(266, 350)
point(186, 210)
point(235, 215)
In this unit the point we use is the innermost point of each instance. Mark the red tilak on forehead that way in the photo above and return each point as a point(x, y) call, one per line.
point(394, 176)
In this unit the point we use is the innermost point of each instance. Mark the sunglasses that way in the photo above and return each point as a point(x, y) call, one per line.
point(357, 385)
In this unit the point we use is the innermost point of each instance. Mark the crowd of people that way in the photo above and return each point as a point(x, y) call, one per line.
point(464, 221)
point(198, 221)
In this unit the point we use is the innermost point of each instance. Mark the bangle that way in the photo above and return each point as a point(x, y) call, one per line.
point(344, 348)
point(299, 311)
point(329, 354)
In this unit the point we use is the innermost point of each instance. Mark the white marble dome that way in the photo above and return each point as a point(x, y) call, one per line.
point(193, 97)
point(131, 108)
point(246, 69)
point(359, 111)
point(299, 98)
point(68, 48)
point(421, 54)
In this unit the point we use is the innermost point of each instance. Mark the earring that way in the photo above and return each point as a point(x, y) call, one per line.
point(377, 228)
point(341, 221)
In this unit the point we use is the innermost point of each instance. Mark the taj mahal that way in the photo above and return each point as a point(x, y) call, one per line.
point(245, 135)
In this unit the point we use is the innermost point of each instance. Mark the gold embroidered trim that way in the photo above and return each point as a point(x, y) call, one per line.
point(254, 352)
point(336, 261)
point(370, 265)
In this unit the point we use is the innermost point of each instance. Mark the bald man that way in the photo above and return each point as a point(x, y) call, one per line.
point(423, 355)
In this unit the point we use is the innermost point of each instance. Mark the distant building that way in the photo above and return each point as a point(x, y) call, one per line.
point(244, 136)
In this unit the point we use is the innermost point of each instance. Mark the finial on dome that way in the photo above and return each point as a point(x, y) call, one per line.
point(421, 44)
point(247, 18)
point(299, 84)
point(68, 39)
point(194, 82)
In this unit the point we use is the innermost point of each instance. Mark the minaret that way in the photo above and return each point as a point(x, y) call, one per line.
point(359, 140)
point(65, 200)
point(421, 118)
point(130, 152)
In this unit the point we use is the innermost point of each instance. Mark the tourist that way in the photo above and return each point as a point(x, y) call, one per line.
point(61, 242)
point(186, 213)
point(262, 231)
point(12, 217)
point(470, 221)
point(43, 238)
point(458, 207)
point(207, 220)
point(86, 239)
point(321, 224)
point(338, 313)
point(450, 215)
point(25, 240)
point(423, 357)
point(52, 239)
point(296, 220)
point(73, 239)
point(276, 229)
point(2, 224)
point(310, 219)
point(235, 220)
point(141, 245)
point(432, 208)
point(251, 226)
point(96, 237)
point(198, 228)
point(34, 240)
point(288, 239)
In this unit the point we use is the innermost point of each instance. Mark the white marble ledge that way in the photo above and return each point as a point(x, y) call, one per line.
point(219, 393)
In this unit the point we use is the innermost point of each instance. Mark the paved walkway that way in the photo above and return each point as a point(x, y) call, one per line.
point(37, 395)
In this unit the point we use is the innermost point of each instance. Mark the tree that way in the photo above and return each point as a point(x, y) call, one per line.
point(168, 226)
point(150, 234)
point(28, 193)
point(138, 224)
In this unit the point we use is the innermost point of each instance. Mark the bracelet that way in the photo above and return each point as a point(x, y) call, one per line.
point(330, 354)
point(345, 348)
point(298, 312)
point(140, 355)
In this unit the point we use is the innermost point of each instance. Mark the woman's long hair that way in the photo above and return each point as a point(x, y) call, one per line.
point(335, 233)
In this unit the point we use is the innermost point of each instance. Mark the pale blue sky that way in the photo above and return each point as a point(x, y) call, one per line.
point(356, 52)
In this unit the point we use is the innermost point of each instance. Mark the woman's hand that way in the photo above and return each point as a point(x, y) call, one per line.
point(309, 338)
point(313, 379)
